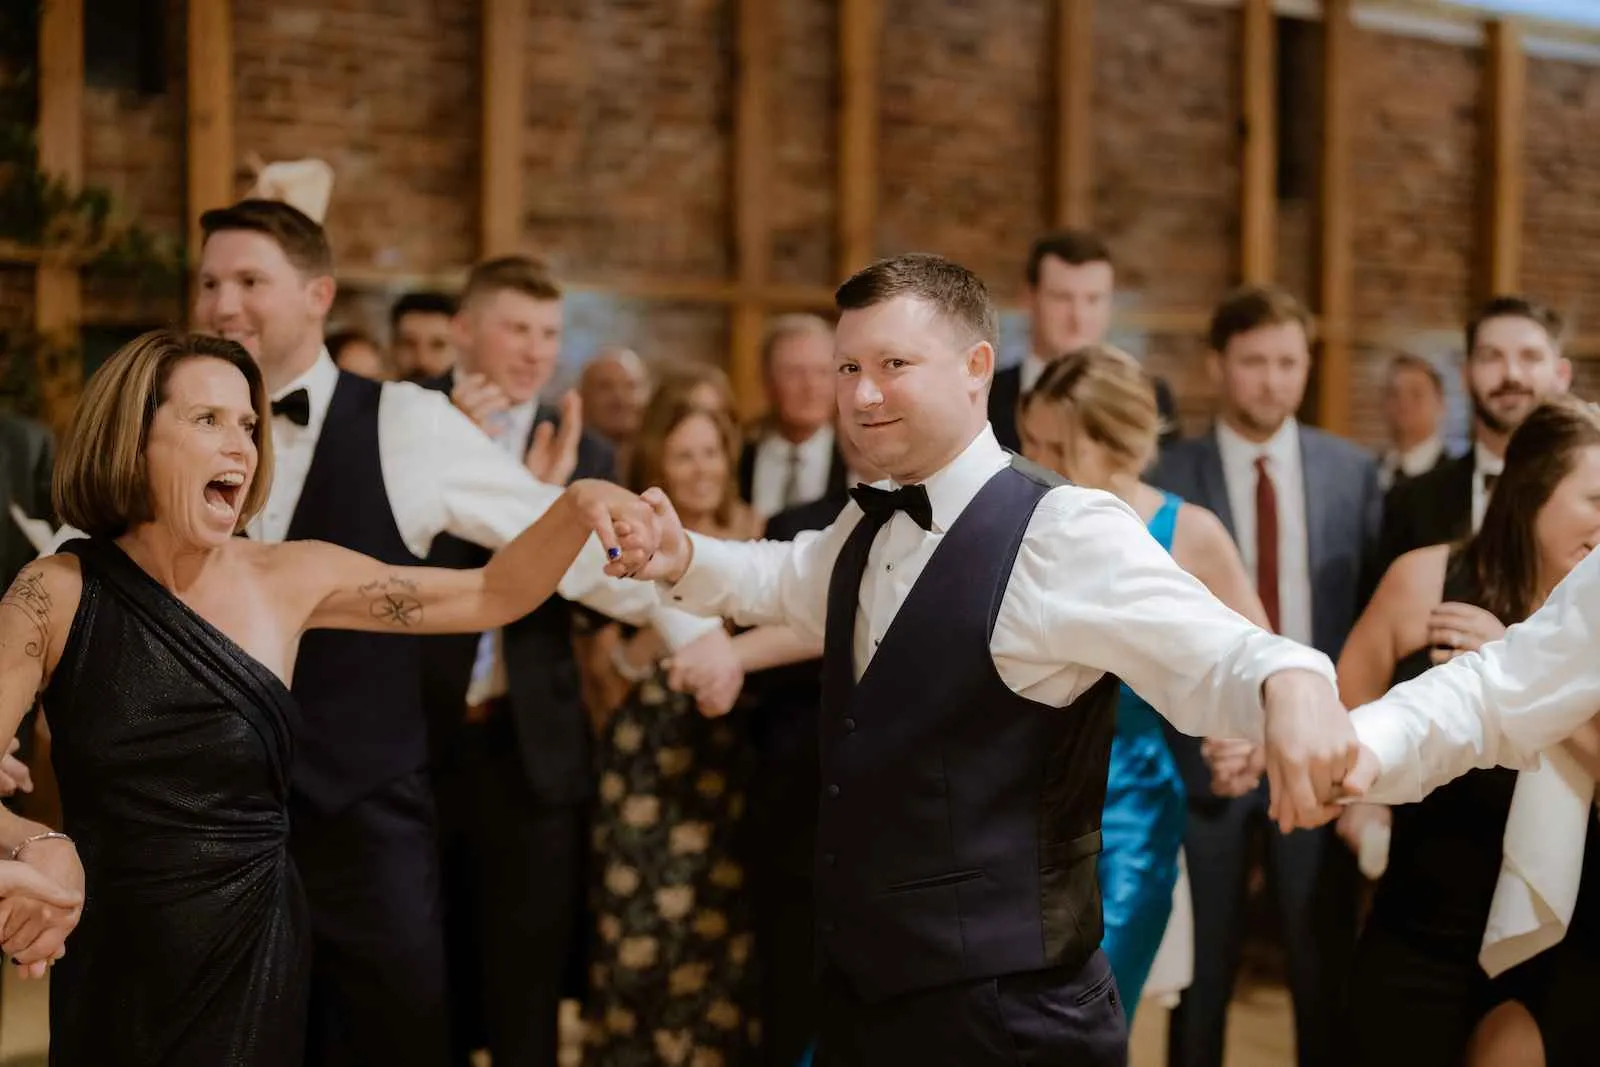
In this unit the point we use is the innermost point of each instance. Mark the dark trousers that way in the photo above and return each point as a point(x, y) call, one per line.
point(515, 874)
point(371, 877)
point(785, 929)
point(1053, 1018)
point(1314, 877)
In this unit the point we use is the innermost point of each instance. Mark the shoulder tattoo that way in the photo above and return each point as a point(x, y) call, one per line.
point(394, 600)
point(29, 596)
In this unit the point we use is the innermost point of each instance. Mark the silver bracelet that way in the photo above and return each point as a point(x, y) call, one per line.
point(48, 835)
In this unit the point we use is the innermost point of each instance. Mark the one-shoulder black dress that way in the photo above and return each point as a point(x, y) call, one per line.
point(172, 747)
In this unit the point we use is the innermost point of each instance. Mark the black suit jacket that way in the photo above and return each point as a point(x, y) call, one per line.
point(1431, 509)
point(1343, 512)
point(27, 462)
point(782, 823)
point(1005, 393)
point(546, 703)
point(837, 473)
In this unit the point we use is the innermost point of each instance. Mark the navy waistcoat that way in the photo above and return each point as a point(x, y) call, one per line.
point(959, 822)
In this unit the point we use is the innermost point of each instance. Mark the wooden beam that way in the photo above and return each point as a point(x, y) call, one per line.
point(1259, 192)
point(1336, 273)
point(210, 149)
point(504, 92)
point(58, 291)
point(860, 24)
point(1074, 126)
point(1506, 98)
point(752, 147)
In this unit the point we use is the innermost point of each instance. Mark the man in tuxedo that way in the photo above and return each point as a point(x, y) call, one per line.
point(381, 468)
point(974, 623)
point(513, 760)
point(1071, 283)
point(1413, 411)
point(1513, 362)
point(1304, 508)
point(794, 456)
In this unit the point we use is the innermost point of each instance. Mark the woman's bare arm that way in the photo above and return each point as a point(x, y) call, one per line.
point(35, 614)
point(1202, 547)
point(350, 591)
point(1394, 624)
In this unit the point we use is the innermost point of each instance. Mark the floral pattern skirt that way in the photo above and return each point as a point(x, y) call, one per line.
point(672, 980)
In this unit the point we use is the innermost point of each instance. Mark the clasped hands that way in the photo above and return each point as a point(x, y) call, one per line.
point(41, 901)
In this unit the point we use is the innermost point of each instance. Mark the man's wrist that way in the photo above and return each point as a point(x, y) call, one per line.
point(682, 568)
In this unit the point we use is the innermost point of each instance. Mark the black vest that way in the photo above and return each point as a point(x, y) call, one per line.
point(361, 693)
point(959, 822)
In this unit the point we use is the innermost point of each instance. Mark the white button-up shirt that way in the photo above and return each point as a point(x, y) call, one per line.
point(813, 461)
point(1091, 593)
point(1282, 452)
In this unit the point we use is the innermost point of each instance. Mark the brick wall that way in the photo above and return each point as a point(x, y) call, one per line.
point(628, 161)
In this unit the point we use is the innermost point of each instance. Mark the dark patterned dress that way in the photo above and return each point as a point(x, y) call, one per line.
point(672, 978)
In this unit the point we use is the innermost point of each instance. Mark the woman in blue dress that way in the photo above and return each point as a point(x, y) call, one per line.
point(1092, 418)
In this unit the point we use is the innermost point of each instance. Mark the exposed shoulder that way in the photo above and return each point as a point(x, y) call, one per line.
point(1199, 533)
point(57, 578)
point(1417, 576)
point(39, 606)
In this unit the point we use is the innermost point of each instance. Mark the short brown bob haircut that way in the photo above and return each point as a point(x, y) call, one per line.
point(101, 482)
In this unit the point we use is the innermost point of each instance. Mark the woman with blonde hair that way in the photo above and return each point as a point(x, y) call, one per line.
point(1092, 417)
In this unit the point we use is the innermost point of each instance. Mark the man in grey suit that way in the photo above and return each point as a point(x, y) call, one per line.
point(1304, 508)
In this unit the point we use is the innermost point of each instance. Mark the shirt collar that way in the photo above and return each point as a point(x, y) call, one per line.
point(1032, 370)
point(1486, 462)
point(1282, 449)
point(1420, 456)
point(952, 488)
point(319, 381)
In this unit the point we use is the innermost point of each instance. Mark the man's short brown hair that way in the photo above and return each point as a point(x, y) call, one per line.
point(518, 274)
point(1411, 361)
point(101, 483)
point(954, 291)
point(303, 240)
point(1251, 307)
point(1517, 307)
point(1075, 248)
point(797, 324)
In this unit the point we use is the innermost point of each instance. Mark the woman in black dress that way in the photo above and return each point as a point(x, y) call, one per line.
point(1419, 996)
point(162, 645)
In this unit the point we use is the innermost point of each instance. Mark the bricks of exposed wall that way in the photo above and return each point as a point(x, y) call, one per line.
point(964, 132)
point(1166, 149)
point(805, 132)
point(1561, 227)
point(388, 95)
point(1416, 112)
point(628, 138)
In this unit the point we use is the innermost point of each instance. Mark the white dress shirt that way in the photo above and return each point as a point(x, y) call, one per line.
point(1282, 451)
point(1498, 706)
point(1418, 459)
point(1091, 593)
point(1032, 369)
point(1484, 464)
point(443, 475)
point(812, 460)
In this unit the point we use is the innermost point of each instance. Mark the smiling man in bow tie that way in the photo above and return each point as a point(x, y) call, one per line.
point(975, 619)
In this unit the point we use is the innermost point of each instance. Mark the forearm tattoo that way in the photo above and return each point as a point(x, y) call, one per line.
point(394, 600)
point(28, 596)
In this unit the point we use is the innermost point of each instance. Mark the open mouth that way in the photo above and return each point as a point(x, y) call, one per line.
point(222, 494)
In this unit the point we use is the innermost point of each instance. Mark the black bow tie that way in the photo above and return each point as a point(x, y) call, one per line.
point(296, 407)
point(881, 504)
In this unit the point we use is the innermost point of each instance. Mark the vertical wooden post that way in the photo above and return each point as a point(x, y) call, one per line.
point(504, 90)
point(1259, 210)
point(1506, 99)
point(58, 291)
point(752, 144)
point(1336, 274)
point(859, 26)
point(209, 109)
point(1074, 142)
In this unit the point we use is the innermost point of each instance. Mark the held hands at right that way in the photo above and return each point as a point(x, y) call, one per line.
point(674, 551)
point(625, 524)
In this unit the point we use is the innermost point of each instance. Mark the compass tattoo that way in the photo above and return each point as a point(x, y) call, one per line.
point(394, 601)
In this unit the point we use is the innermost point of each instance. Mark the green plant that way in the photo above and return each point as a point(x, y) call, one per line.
point(43, 215)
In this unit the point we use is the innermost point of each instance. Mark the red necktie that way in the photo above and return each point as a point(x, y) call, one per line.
point(1267, 541)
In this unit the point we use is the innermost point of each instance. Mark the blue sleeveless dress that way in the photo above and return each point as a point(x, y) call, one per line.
point(1142, 826)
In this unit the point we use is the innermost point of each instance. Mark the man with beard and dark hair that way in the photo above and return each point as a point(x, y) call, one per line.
point(1513, 363)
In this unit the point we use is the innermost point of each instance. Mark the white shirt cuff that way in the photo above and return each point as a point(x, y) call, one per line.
point(701, 583)
point(678, 628)
point(1399, 767)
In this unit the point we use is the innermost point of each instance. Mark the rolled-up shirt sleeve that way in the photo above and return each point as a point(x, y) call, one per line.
point(1498, 706)
point(1107, 596)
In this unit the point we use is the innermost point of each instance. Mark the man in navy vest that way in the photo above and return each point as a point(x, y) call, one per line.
point(974, 621)
point(382, 469)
